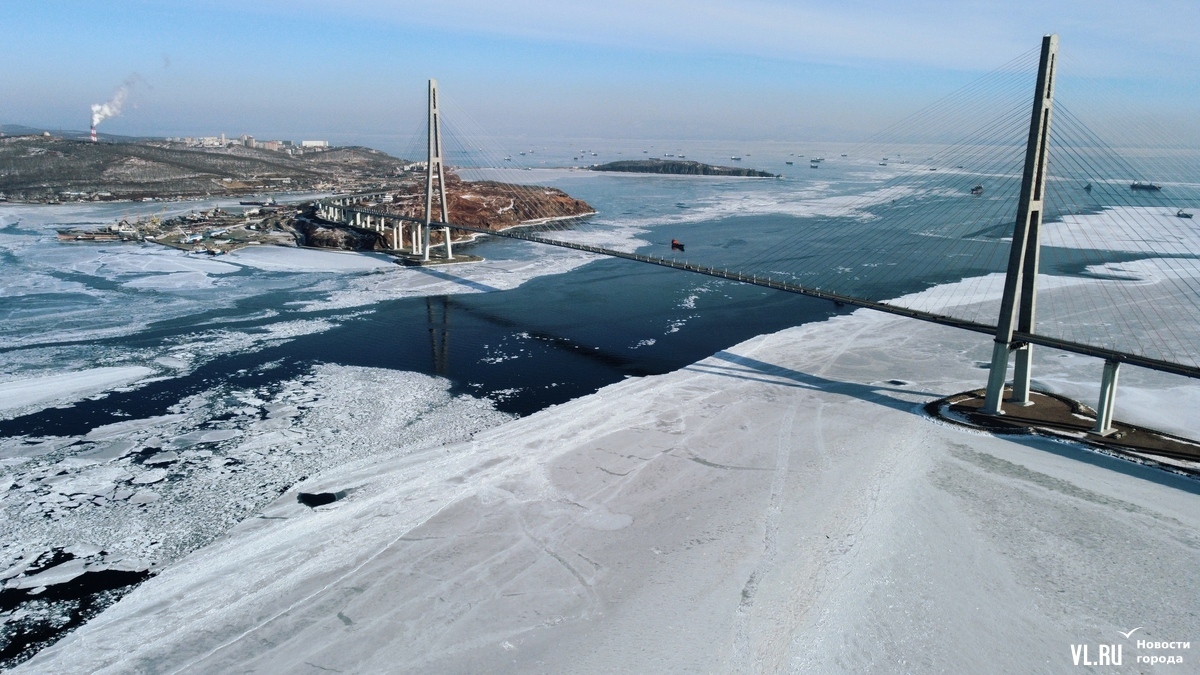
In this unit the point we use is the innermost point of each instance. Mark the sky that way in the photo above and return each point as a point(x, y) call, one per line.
point(356, 70)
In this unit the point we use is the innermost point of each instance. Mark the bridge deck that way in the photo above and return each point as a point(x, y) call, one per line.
point(766, 282)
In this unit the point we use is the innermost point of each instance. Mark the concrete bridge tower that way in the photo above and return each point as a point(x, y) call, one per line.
point(1020, 284)
point(434, 169)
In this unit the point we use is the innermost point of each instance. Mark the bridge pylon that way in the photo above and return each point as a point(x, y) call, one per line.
point(1019, 301)
point(434, 168)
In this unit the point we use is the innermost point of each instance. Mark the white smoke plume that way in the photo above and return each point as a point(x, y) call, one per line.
point(103, 111)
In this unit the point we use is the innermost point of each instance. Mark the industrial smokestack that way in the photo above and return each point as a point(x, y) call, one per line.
point(103, 111)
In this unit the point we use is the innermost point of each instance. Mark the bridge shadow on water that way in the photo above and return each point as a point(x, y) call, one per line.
point(475, 285)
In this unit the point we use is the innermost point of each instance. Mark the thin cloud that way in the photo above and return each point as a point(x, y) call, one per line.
point(950, 35)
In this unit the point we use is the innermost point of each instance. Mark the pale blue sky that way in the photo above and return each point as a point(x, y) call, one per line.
point(725, 69)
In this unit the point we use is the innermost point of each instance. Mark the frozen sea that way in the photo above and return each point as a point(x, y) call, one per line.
point(151, 400)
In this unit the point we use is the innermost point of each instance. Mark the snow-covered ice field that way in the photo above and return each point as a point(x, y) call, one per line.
point(783, 506)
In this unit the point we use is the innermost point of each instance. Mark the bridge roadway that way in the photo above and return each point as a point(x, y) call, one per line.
point(766, 282)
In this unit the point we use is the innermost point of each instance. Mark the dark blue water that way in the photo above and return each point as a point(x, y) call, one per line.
point(552, 339)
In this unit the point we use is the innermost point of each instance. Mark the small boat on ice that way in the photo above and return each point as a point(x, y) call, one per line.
point(1182, 214)
point(977, 190)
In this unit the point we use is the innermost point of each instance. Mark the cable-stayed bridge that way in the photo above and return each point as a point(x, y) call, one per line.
point(970, 199)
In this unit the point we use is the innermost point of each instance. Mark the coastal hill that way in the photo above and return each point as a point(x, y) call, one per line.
point(51, 168)
point(490, 204)
point(680, 167)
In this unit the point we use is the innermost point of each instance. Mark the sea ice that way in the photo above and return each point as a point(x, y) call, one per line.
point(172, 282)
point(278, 258)
point(19, 396)
point(149, 477)
point(1139, 229)
point(98, 481)
point(58, 574)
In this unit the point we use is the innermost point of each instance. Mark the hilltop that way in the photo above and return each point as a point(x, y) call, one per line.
point(681, 167)
point(50, 168)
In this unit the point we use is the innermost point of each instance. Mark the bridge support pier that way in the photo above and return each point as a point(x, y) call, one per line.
point(1108, 399)
point(1021, 375)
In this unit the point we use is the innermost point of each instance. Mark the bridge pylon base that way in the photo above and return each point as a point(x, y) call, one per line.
point(1060, 417)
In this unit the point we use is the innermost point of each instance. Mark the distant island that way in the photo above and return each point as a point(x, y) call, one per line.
point(679, 167)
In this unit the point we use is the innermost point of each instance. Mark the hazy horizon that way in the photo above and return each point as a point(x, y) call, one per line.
point(355, 72)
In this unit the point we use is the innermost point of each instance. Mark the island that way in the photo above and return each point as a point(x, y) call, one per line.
point(678, 167)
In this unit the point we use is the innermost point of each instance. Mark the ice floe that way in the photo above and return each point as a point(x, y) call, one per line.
point(277, 258)
point(23, 395)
